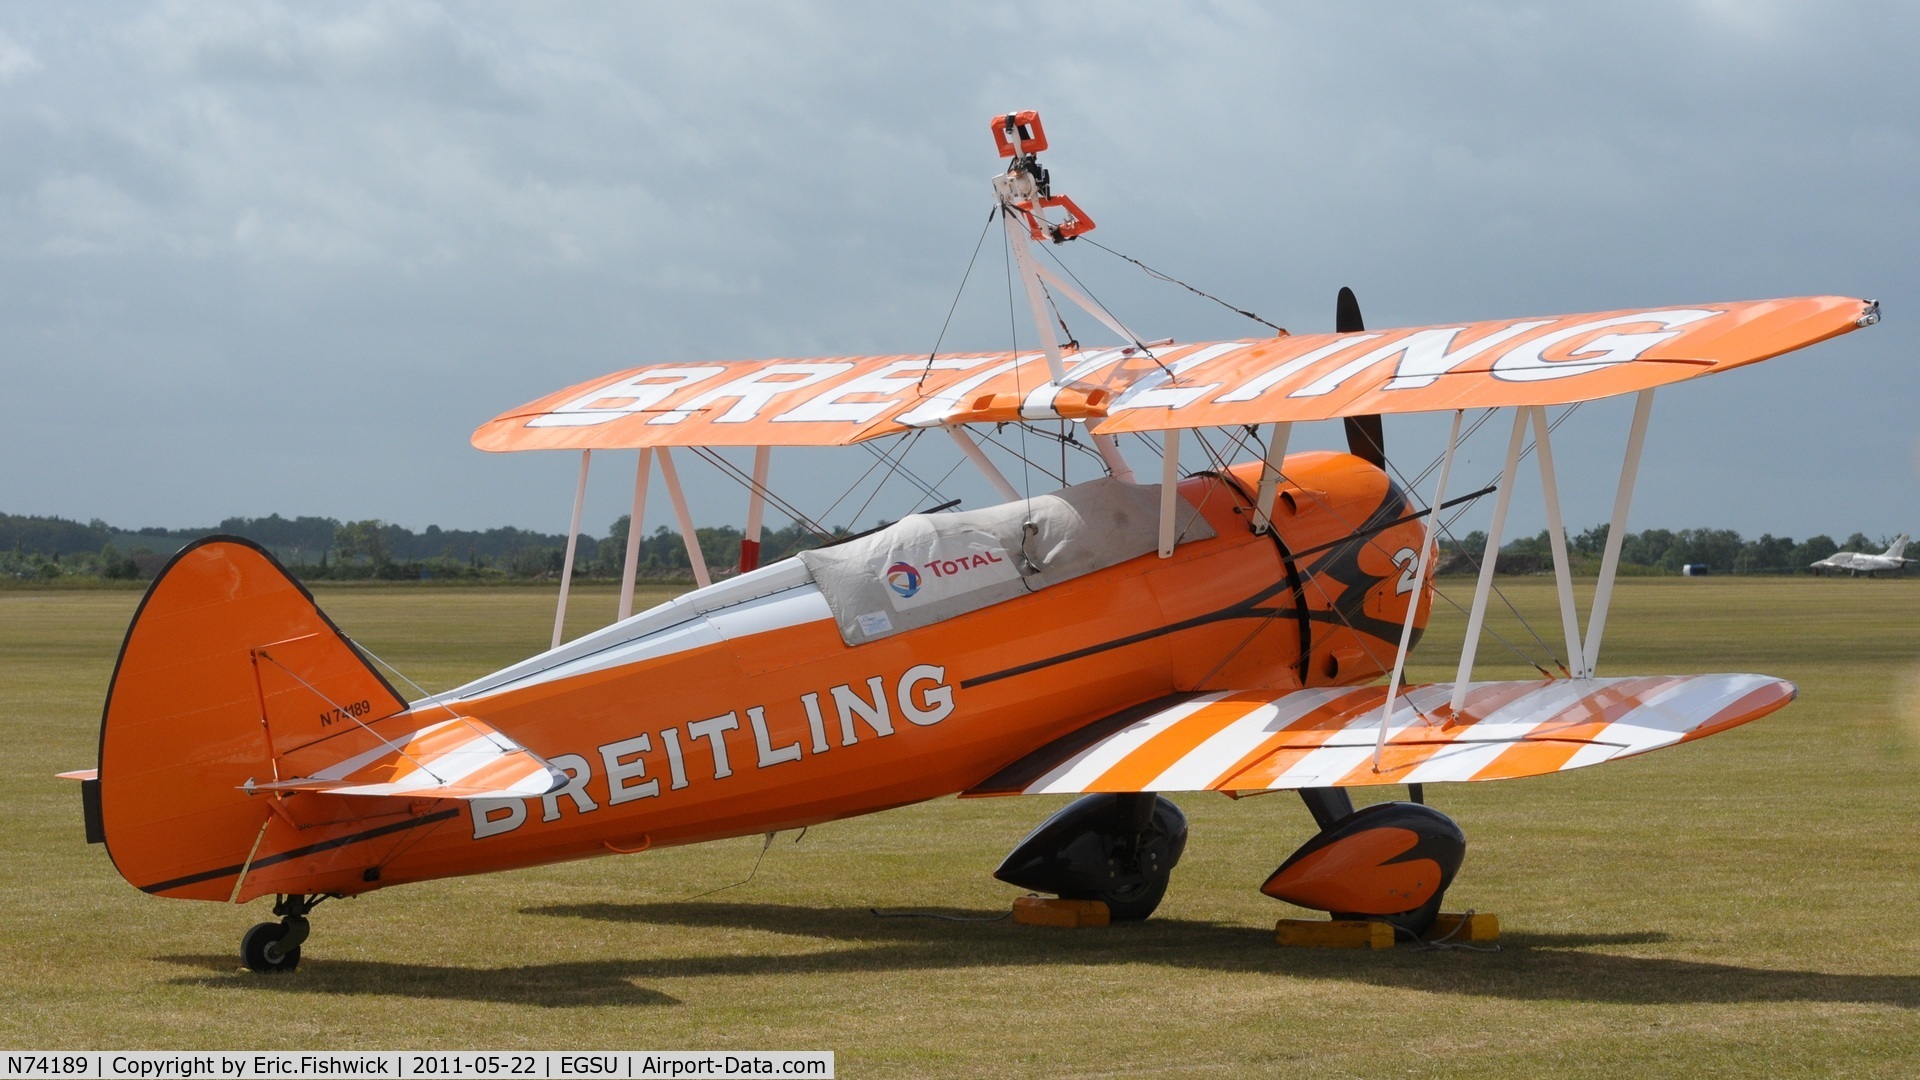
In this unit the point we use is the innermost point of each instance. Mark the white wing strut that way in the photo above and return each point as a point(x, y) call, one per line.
point(1419, 580)
point(980, 461)
point(692, 539)
point(1583, 654)
point(1484, 588)
point(634, 531)
point(1557, 539)
point(1169, 493)
point(1617, 529)
point(1270, 476)
point(573, 541)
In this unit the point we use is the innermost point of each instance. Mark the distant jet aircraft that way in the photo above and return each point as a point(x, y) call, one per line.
point(1855, 563)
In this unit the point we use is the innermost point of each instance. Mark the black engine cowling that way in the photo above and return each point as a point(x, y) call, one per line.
point(1116, 848)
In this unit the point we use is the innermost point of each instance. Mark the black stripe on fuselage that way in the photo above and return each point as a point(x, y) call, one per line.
point(302, 852)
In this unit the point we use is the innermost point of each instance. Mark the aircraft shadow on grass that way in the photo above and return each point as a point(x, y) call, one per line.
point(1529, 967)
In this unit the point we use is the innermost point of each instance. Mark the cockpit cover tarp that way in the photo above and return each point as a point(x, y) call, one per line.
point(928, 568)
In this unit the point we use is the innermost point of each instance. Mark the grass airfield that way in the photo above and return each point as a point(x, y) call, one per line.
point(1748, 904)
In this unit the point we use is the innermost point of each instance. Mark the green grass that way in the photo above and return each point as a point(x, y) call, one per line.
point(1745, 905)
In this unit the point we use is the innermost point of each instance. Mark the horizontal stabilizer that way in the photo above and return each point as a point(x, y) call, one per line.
point(457, 758)
point(1326, 736)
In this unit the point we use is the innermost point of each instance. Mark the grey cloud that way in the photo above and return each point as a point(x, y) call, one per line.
point(271, 257)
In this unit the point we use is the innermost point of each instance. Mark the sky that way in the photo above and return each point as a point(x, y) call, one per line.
point(274, 258)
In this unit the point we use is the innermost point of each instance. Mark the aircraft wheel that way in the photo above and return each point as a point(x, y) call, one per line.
point(1373, 863)
point(1119, 849)
point(261, 950)
point(1136, 902)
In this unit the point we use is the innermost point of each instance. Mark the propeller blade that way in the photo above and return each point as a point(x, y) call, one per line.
point(1346, 313)
point(1365, 438)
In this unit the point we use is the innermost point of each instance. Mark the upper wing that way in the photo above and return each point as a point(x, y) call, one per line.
point(1325, 736)
point(834, 401)
point(1543, 361)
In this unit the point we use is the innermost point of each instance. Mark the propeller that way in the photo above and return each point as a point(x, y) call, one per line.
point(1365, 439)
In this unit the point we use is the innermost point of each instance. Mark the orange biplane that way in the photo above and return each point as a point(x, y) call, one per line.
point(1222, 630)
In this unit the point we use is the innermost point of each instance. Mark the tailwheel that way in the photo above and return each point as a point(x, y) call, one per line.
point(275, 946)
point(1390, 862)
point(1119, 849)
point(263, 948)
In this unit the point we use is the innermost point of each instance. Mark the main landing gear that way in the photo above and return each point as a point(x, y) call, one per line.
point(1390, 861)
point(276, 946)
point(1119, 849)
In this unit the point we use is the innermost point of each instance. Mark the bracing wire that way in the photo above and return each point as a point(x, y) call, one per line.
point(900, 463)
point(957, 293)
point(896, 463)
point(343, 711)
point(1277, 328)
point(745, 479)
point(1135, 342)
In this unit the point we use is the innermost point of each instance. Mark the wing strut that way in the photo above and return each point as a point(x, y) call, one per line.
point(1557, 537)
point(1617, 529)
point(1169, 493)
point(756, 509)
point(1270, 476)
point(982, 462)
point(573, 542)
point(1485, 586)
point(1419, 581)
point(1583, 654)
point(634, 532)
point(1025, 193)
point(694, 555)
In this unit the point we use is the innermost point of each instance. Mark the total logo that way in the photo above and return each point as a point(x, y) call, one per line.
point(903, 579)
point(937, 577)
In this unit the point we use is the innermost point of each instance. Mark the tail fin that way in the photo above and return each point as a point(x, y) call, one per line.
point(1899, 547)
point(227, 666)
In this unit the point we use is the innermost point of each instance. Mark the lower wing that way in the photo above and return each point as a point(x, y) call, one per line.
point(1328, 736)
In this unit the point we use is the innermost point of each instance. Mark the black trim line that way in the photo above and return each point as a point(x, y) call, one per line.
point(1242, 610)
point(1375, 530)
point(303, 852)
point(1303, 624)
point(1245, 609)
point(1016, 777)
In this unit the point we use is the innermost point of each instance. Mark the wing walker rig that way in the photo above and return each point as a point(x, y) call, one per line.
point(1241, 628)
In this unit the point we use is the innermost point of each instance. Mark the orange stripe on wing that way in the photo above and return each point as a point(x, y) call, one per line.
point(1158, 754)
point(1282, 750)
point(1553, 742)
point(1585, 720)
point(1751, 706)
point(1416, 744)
point(433, 744)
point(499, 775)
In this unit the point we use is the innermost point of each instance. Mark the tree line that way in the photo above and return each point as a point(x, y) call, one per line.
point(321, 549)
point(1660, 551)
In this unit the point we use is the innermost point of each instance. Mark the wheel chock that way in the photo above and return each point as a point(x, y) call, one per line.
point(1334, 934)
point(1050, 911)
point(1471, 926)
point(1448, 927)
